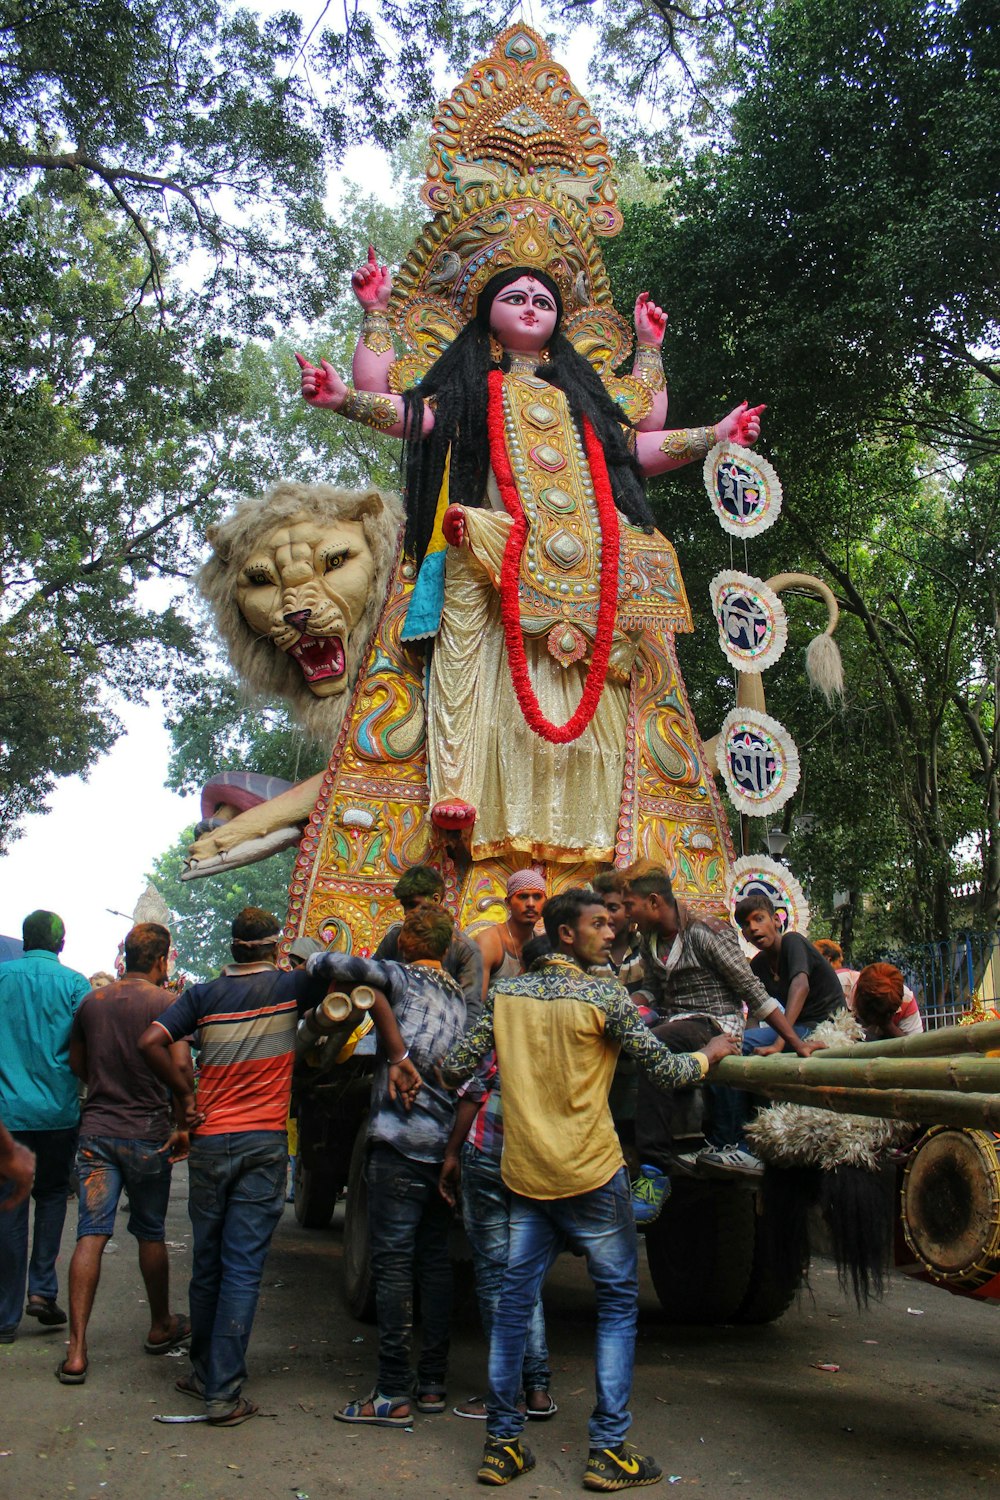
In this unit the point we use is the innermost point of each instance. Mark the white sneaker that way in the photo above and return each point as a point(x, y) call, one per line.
point(729, 1161)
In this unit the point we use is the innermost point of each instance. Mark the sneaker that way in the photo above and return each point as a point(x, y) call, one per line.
point(621, 1468)
point(650, 1191)
point(504, 1461)
point(730, 1161)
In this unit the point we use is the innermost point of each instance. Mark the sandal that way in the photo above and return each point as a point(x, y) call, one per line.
point(383, 1409)
point(71, 1377)
point(431, 1402)
point(241, 1412)
point(543, 1413)
point(190, 1385)
point(474, 1409)
point(46, 1310)
point(179, 1336)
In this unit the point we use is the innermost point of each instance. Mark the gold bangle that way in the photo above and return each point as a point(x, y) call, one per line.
point(688, 443)
point(371, 409)
point(648, 367)
point(375, 333)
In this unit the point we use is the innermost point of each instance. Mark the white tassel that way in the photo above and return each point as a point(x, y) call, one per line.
point(824, 667)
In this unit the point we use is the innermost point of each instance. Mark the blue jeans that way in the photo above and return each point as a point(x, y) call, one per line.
point(486, 1212)
point(236, 1197)
point(731, 1109)
point(408, 1228)
point(54, 1151)
point(600, 1226)
point(104, 1166)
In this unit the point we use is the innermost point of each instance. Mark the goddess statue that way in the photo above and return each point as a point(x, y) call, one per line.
point(557, 730)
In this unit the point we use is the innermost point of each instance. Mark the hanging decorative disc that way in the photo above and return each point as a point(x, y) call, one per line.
point(753, 627)
point(744, 490)
point(759, 872)
point(758, 760)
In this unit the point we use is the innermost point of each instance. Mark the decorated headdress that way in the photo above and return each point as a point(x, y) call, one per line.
point(518, 175)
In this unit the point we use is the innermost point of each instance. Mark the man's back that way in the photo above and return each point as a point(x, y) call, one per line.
point(125, 1101)
point(38, 997)
point(245, 1022)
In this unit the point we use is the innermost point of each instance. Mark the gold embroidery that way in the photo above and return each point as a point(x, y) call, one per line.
point(687, 443)
point(371, 409)
point(375, 331)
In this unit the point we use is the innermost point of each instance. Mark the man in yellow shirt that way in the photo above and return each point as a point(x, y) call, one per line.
point(558, 1033)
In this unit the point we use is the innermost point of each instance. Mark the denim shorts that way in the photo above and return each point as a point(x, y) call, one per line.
point(105, 1166)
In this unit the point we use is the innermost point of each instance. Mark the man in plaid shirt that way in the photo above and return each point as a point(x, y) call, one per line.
point(699, 981)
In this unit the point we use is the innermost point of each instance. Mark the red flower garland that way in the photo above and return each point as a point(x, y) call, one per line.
point(556, 734)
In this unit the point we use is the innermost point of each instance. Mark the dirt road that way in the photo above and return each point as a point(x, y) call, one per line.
point(911, 1412)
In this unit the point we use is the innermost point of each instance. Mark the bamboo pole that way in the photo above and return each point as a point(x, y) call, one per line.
point(947, 1041)
point(969, 1075)
point(923, 1107)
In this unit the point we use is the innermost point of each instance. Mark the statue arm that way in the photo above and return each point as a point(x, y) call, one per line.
point(323, 387)
point(650, 326)
point(372, 285)
point(286, 810)
point(658, 452)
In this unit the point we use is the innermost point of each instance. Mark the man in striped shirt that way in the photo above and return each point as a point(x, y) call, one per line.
point(244, 1024)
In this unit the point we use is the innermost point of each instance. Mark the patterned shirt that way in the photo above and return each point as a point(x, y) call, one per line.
point(245, 1022)
point(486, 1131)
point(430, 1012)
point(557, 1033)
point(709, 977)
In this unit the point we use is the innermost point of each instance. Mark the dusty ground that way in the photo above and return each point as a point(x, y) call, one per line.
point(911, 1413)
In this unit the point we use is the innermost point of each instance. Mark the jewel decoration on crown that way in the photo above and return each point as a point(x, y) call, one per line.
point(756, 873)
point(744, 490)
point(758, 761)
point(753, 626)
point(519, 174)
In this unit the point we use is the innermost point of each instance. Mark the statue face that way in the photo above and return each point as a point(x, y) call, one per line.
point(305, 587)
point(524, 315)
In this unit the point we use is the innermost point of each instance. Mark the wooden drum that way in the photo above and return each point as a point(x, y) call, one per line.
point(951, 1205)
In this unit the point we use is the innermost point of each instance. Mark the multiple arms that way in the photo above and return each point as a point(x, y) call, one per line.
point(666, 1069)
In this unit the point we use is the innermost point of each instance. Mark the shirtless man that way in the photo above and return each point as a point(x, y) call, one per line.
point(502, 943)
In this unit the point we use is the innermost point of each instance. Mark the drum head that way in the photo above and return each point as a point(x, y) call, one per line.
point(951, 1205)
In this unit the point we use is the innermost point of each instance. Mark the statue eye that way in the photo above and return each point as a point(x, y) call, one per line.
point(259, 577)
point(335, 560)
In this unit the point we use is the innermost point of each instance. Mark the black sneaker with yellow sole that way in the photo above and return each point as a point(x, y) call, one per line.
point(504, 1461)
point(621, 1468)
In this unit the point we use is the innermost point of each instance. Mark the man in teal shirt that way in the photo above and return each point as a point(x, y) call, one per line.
point(39, 1104)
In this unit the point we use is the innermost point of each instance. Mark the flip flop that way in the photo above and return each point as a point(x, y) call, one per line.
point(432, 1402)
point(241, 1412)
point(180, 1336)
point(545, 1413)
point(47, 1311)
point(71, 1377)
point(382, 1412)
point(190, 1385)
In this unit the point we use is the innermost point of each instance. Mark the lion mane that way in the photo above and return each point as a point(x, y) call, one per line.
point(260, 665)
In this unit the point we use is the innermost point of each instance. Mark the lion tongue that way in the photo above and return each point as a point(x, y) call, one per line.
point(319, 656)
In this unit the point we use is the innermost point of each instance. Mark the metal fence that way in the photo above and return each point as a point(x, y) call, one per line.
point(950, 978)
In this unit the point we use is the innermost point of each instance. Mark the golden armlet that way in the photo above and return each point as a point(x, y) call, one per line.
point(370, 408)
point(687, 443)
point(375, 333)
point(648, 367)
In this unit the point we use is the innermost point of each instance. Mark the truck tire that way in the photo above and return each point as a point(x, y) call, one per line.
point(358, 1285)
point(772, 1290)
point(317, 1189)
point(700, 1251)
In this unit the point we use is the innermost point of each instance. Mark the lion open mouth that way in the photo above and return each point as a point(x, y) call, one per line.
point(320, 657)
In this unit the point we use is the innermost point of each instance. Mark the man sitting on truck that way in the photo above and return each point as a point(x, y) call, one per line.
point(420, 886)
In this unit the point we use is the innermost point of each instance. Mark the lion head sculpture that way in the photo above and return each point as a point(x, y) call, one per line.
point(296, 583)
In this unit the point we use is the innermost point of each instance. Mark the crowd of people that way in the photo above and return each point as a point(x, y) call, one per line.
point(546, 1001)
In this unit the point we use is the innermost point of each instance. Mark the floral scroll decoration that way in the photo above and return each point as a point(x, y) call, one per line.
point(753, 627)
point(756, 873)
point(758, 761)
point(744, 490)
